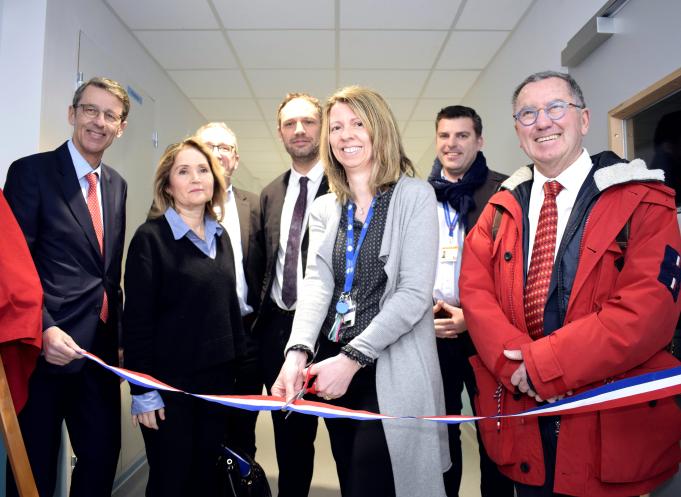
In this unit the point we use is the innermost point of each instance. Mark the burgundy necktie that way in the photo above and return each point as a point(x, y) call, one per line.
point(289, 289)
point(541, 265)
point(93, 207)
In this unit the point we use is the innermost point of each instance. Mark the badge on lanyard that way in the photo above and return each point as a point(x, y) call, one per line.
point(346, 306)
point(450, 252)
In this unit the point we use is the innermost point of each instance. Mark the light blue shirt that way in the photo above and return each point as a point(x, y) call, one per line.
point(152, 401)
point(83, 168)
point(212, 229)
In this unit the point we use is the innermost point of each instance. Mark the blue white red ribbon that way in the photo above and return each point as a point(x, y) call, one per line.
point(625, 392)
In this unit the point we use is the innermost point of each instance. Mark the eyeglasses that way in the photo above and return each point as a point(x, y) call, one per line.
point(527, 116)
point(222, 149)
point(92, 111)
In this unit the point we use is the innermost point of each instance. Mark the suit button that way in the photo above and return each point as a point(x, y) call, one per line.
point(508, 256)
point(652, 403)
point(524, 467)
point(517, 396)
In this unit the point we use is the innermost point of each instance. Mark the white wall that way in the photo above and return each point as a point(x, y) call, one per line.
point(646, 48)
point(22, 37)
point(176, 116)
point(534, 46)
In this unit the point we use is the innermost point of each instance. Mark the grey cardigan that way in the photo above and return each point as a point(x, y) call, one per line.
point(408, 381)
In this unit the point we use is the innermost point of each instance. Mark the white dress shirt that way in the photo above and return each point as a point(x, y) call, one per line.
point(448, 257)
point(572, 179)
point(230, 221)
point(315, 178)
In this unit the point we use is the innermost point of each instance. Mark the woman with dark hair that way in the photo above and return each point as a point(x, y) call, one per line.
point(181, 322)
point(367, 299)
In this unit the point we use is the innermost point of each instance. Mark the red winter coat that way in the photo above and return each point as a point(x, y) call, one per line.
point(617, 324)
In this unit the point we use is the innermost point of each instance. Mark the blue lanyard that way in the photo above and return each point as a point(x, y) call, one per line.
point(352, 252)
point(451, 224)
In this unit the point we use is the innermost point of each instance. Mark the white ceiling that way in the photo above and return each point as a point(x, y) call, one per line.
point(236, 59)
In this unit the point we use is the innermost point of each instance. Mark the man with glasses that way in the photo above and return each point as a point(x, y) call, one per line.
point(242, 222)
point(570, 281)
point(71, 209)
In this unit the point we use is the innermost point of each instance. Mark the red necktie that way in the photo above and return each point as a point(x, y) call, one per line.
point(541, 265)
point(93, 207)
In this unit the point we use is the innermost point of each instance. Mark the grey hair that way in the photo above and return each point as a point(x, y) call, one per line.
point(540, 76)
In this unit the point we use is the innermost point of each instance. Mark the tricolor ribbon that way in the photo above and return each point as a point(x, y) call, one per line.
point(625, 392)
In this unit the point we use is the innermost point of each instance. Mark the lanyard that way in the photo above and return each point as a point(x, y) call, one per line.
point(451, 224)
point(352, 252)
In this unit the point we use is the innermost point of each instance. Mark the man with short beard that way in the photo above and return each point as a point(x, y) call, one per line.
point(285, 204)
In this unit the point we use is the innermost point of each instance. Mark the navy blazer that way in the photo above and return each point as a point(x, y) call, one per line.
point(45, 196)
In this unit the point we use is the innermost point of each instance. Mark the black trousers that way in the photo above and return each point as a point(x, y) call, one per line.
point(248, 381)
point(90, 403)
point(182, 453)
point(359, 447)
point(457, 372)
point(293, 437)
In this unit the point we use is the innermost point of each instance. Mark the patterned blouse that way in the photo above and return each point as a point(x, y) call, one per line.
point(370, 278)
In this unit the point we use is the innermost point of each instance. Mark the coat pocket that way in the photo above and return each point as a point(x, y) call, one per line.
point(489, 397)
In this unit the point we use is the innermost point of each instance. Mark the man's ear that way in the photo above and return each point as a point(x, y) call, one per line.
point(121, 128)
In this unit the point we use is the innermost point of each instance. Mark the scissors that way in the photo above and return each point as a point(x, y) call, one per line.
point(308, 387)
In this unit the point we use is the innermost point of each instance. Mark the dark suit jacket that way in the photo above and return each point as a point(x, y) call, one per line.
point(248, 210)
point(483, 194)
point(271, 204)
point(47, 200)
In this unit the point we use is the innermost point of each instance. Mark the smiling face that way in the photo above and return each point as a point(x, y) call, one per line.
point(299, 129)
point(349, 139)
point(457, 146)
point(93, 135)
point(190, 183)
point(552, 145)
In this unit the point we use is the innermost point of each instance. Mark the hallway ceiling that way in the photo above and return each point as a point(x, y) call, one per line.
point(236, 59)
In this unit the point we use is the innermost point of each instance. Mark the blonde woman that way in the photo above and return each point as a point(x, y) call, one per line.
point(367, 300)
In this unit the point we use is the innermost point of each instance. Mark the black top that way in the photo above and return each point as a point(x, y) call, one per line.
point(370, 278)
point(181, 312)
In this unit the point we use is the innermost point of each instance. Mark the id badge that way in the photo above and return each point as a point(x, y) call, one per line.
point(350, 309)
point(449, 253)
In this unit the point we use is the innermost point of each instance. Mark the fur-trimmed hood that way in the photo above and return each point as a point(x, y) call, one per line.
point(609, 170)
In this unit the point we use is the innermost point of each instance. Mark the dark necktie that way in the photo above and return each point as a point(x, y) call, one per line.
point(93, 207)
point(541, 265)
point(289, 289)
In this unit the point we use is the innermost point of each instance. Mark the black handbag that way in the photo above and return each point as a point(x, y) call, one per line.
point(240, 475)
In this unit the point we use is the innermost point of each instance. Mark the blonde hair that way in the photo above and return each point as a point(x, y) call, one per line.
point(389, 159)
point(163, 199)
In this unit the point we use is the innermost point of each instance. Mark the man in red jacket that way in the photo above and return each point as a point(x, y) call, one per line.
point(21, 304)
point(570, 280)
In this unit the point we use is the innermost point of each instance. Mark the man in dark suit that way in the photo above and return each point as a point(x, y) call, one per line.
point(285, 205)
point(242, 222)
point(71, 208)
point(463, 184)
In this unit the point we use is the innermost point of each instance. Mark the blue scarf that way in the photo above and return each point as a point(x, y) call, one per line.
point(459, 194)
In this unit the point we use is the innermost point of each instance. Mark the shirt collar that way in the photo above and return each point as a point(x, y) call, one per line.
point(83, 167)
point(572, 177)
point(313, 175)
point(180, 228)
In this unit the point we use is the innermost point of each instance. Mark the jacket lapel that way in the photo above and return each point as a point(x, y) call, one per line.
point(74, 197)
point(244, 213)
point(110, 202)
